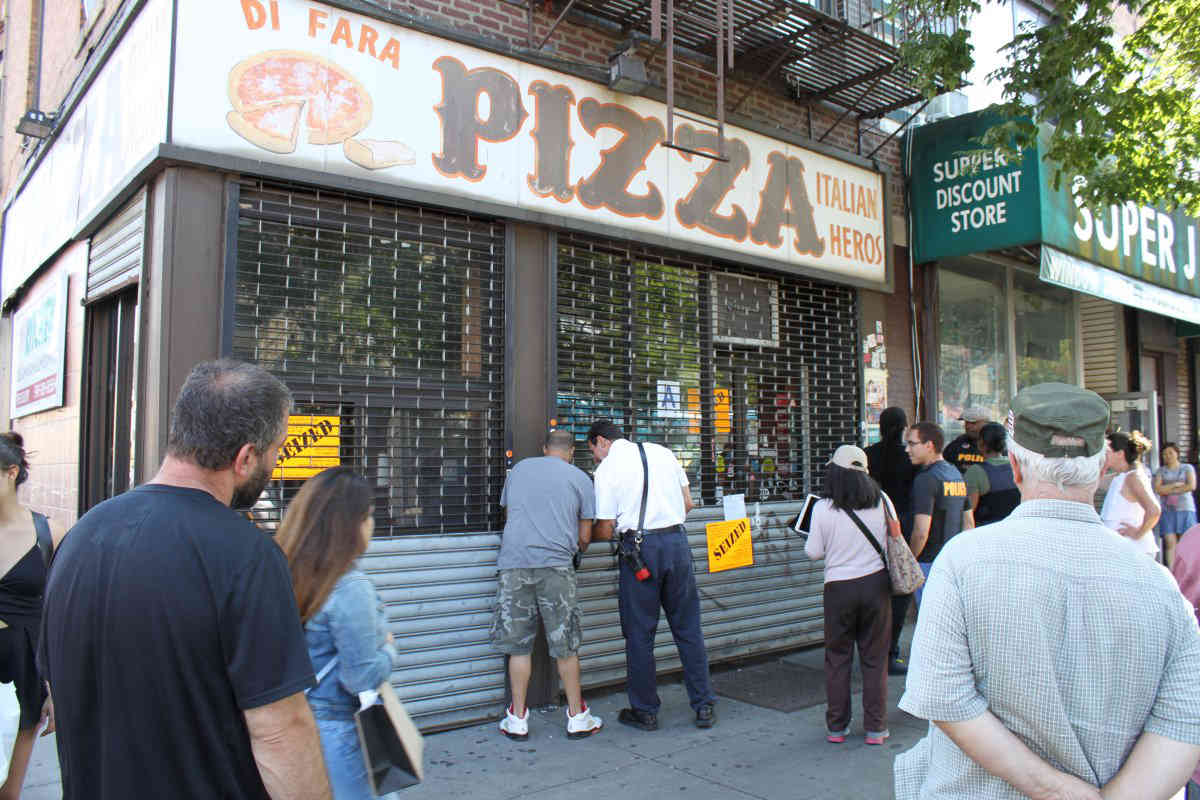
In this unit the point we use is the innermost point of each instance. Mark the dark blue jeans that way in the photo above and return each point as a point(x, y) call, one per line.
point(671, 586)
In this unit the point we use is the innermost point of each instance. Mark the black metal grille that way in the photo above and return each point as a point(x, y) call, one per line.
point(389, 318)
point(751, 378)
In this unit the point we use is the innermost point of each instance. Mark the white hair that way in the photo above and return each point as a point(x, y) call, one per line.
point(1065, 473)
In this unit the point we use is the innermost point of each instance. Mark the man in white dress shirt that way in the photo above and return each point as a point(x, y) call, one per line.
point(660, 549)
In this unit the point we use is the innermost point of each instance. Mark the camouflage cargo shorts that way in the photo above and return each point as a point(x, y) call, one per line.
point(523, 592)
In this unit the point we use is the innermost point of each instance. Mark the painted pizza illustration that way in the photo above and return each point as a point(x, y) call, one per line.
point(279, 94)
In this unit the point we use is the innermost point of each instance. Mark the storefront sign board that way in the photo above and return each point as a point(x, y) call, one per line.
point(39, 349)
point(1072, 272)
point(119, 122)
point(306, 85)
point(1147, 244)
point(966, 199)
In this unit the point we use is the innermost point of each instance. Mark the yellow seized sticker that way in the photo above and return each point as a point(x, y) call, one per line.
point(312, 445)
point(729, 544)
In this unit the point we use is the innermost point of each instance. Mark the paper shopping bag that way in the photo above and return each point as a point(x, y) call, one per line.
point(393, 748)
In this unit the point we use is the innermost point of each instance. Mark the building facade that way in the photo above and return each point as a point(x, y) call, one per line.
point(447, 238)
point(1023, 285)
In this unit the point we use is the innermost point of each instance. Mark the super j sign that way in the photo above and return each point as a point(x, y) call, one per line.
point(305, 85)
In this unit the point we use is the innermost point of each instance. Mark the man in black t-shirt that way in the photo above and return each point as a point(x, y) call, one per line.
point(964, 451)
point(170, 636)
point(888, 463)
point(939, 496)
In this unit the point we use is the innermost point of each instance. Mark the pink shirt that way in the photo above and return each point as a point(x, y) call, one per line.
point(835, 538)
point(1186, 570)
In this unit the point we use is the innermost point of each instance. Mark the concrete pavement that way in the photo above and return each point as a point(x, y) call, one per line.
point(753, 752)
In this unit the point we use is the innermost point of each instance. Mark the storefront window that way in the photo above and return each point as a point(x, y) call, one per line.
point(972, 329)
point(984, 356)
point(1044, 332)
point(748, 377)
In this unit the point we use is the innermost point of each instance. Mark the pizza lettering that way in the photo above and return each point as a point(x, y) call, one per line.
point(277, 93)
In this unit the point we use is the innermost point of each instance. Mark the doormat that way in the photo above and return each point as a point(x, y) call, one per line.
point(776, 685)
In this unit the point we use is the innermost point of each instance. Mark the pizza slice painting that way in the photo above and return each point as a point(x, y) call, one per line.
point(275, 127)
point(378, 154)
point(274, 92)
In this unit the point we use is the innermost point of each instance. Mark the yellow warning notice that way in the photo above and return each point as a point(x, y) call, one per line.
point(729, 544)
point(312, 445)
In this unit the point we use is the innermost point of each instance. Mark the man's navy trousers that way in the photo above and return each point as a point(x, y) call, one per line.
point(672, 585)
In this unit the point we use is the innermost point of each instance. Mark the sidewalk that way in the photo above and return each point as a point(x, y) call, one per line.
point(753, 752)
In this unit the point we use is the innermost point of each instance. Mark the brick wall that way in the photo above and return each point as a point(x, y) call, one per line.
point(902, 387)
point(52, 436)
point(68, 40)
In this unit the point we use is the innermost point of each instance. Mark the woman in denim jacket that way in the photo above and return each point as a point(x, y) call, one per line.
point(326, 528)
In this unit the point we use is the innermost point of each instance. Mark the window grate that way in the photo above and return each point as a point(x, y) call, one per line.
point(749, 377)
point(389, 318)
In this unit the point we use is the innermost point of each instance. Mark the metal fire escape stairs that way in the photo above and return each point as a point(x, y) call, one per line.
point(843, 56)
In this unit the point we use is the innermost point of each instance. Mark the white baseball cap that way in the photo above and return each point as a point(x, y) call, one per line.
point(850, 456)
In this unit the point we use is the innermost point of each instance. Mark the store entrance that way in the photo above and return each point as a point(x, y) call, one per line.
point(1137, 411)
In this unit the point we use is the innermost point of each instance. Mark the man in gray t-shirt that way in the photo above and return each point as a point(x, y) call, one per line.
point(550, 504)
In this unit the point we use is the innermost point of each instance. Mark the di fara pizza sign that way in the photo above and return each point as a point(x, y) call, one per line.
point(306, 85)
point(39, 350)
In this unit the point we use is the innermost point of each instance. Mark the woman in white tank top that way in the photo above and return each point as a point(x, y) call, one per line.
point(1129, 507)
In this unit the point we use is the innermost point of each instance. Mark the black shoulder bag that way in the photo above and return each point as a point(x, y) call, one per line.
point(865, 532)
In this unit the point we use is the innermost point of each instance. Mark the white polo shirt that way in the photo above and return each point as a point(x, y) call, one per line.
point(619, 486)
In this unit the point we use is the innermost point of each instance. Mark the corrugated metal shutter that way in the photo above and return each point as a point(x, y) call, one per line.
point(774, 605)
point(750, 378)
point(439, 591)
point(390, 318)
point(116, 251)
point(1103, 344)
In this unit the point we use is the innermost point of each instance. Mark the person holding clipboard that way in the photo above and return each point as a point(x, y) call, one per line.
point(858, 604)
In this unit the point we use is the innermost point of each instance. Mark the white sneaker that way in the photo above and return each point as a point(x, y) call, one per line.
point(583, 724)
point(515, 727)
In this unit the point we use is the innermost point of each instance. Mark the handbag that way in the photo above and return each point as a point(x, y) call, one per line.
point(392, 747)
point(904, 573)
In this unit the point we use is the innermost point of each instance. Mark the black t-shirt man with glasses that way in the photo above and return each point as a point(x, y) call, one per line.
point(170, 637)
point(939, 496)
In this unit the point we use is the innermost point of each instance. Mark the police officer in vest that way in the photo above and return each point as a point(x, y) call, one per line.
point(991, 489)
point(964, 450)
point(655, 567)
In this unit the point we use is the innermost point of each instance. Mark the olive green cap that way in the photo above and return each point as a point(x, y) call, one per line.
point(1058, 420)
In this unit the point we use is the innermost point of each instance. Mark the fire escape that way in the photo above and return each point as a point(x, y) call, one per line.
point(840, 54)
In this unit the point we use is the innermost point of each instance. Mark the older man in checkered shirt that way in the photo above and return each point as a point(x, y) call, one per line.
point(1052, 658)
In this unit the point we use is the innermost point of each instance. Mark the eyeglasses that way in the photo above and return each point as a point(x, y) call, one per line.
point(910, 443)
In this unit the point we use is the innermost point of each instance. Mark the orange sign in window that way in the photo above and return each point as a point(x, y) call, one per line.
point(313, 444)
